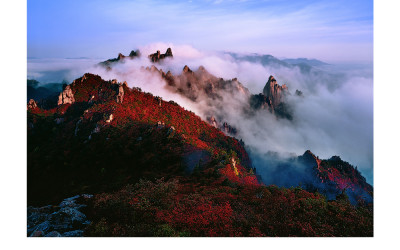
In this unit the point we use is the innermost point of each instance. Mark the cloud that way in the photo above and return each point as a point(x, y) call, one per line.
point(335, 116)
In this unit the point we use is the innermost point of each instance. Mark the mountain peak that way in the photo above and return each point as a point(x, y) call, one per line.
point(274, 91)
point(187, 69)
point(120, 56)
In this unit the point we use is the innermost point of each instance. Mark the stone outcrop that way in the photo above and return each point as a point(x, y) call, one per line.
point(64, 220)
point(110, 118)
point(32, 104)
point(120, 94)
point(274, 92)
point(66, 96)
point(158, 56)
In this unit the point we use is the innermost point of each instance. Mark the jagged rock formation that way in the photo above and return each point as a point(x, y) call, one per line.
point(108, 63)
point(66, 96)
point(200, 83)
point(273, 99)
point(158, 56)
point(32, 104)
point(274, 92)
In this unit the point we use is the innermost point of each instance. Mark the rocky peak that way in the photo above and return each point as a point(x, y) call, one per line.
point(120, 56)
point(66, 96)
point(168, 52)
point(186, 69)
point(134, 53)
point(310, 159)
point(274, 91)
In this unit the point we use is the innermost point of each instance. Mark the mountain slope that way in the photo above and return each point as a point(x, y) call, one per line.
point(156, 169)
point(99, 141)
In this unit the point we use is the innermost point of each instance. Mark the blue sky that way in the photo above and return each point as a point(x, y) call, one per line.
point(328, 30)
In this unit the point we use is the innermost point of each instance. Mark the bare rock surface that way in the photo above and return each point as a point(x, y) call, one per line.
point(66, 96)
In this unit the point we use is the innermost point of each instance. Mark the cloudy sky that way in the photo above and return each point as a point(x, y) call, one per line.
point(328, 30)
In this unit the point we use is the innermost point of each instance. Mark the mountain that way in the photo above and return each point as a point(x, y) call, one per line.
point(120, 58)
point(38, 91)
point(262, 59)
point(156, 169)
point(102, 130)
point(311, 69)
point(310, 62)
point(331, 177)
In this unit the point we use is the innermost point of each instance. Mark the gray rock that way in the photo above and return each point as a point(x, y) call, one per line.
point(87, 196)
point(69, 202)
point(37, 234)
point(44, 227)
point(75, 233)
point(53, 234)
point(55, 221)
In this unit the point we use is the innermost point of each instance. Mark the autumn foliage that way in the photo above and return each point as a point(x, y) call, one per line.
point(157, 169)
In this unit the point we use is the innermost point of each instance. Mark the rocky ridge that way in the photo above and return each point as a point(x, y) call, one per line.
point(156, 57)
